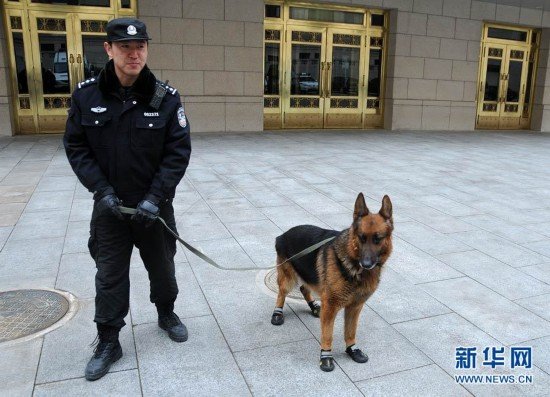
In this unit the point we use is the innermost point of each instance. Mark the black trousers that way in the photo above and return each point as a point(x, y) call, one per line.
point(111, 243)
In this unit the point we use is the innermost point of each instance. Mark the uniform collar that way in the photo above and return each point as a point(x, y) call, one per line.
point(143, 89)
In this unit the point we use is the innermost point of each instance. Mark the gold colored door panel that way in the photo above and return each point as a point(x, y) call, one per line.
point(324, 69)
point(51, 48)
point(303, 91)
point(303, 120)
point(344, 77)
point(506, 80)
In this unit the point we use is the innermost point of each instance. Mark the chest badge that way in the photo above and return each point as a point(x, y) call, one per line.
point(98, 109)
point(151, 114)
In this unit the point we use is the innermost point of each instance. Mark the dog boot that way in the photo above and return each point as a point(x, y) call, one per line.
point(327, 361)
point(356, 354)
point(277, 318)
point(315, 308)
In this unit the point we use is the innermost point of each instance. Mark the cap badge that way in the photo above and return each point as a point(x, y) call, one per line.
point(132, 31)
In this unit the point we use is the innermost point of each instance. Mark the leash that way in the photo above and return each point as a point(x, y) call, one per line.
point(204, 257)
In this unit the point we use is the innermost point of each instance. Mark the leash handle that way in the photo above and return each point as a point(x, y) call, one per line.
point(204, 257)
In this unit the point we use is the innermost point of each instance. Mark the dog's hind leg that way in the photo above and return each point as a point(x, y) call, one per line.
point(286, 278)
point(314, 306)
point(351, 319)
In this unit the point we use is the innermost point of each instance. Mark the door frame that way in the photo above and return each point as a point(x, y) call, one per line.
point(489, 116)
point(26, 109)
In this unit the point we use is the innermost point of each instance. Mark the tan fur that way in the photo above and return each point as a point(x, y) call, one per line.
point(335, 291)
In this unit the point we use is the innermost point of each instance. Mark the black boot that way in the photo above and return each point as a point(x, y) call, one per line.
point(171, 323)
point(107, 351)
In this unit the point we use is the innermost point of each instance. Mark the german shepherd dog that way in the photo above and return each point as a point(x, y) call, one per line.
point(344, 272)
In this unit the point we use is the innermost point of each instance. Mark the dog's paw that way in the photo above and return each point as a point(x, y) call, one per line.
point(315, 308)
point(277, 318)
point(356, 354)
point(326, 363)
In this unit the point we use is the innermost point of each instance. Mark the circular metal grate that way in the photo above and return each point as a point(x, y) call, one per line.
point(24, 312)
point(270, 281)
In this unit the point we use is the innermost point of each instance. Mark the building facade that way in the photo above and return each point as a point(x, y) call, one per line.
point(253, 65)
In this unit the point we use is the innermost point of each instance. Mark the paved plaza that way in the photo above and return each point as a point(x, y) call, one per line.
point(470, 268)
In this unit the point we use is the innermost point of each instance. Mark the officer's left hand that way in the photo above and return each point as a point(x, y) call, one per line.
point(147, 213)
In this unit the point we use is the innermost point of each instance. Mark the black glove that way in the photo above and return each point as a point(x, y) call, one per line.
point(146, 213)
point(108, 205)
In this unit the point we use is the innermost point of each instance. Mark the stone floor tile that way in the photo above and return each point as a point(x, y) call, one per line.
point(497, 316)
point(18, 367)
point(499, 248)
point(202, 366)
point(201, 226)
point(190, 301)
point(429, 380)
point(49, 200)
point(539, 305)
point(121, 383)
point(67, 350)
point(375, 337)
point(540, 272)
point(15, 194)
point(243, 311)
point(397, 300)
point(292, 369)
point(417, 265)
point(517, 234)
point(46, 224)
point(77, 275)
point(76, 239)
point(498, 276)
point(427, 239)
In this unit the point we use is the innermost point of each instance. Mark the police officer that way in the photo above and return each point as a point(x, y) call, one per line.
point(127, 139)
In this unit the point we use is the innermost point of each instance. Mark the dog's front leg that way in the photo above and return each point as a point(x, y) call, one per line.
point(351, 318)
point(328, 314)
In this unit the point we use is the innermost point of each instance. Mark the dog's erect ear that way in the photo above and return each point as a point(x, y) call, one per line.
point(386, 211)
point(360, 207)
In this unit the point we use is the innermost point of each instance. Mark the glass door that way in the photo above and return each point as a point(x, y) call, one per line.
point(506, 79)
point(54, 74)
point(343, 78)
point(306, 54)
point(67, 48)
point(513, 87)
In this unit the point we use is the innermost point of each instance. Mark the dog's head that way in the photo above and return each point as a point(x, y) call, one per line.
point(370, 240)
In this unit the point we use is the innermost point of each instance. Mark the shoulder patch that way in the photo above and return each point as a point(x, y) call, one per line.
point(87, 82)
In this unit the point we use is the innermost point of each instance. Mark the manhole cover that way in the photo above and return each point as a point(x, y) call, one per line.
point(271, 283)
point(24, 312)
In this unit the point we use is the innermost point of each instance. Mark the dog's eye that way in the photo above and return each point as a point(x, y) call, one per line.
point(376, 239)
point(362, 238)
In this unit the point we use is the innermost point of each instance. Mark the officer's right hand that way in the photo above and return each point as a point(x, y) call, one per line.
point(108, 205)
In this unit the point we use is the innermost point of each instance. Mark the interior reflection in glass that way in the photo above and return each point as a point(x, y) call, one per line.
point(305, 71)
point(345, 71)
point(271, 69)
point(19, 50)
point(54, 64)
point(492, 80)
point(95, 56)
point(375, 72)
point(514, 81)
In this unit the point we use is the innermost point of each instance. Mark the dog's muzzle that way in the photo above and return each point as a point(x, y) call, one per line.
point(368, 264)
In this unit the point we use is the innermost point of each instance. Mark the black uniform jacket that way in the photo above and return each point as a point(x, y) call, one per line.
point(122, 145)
